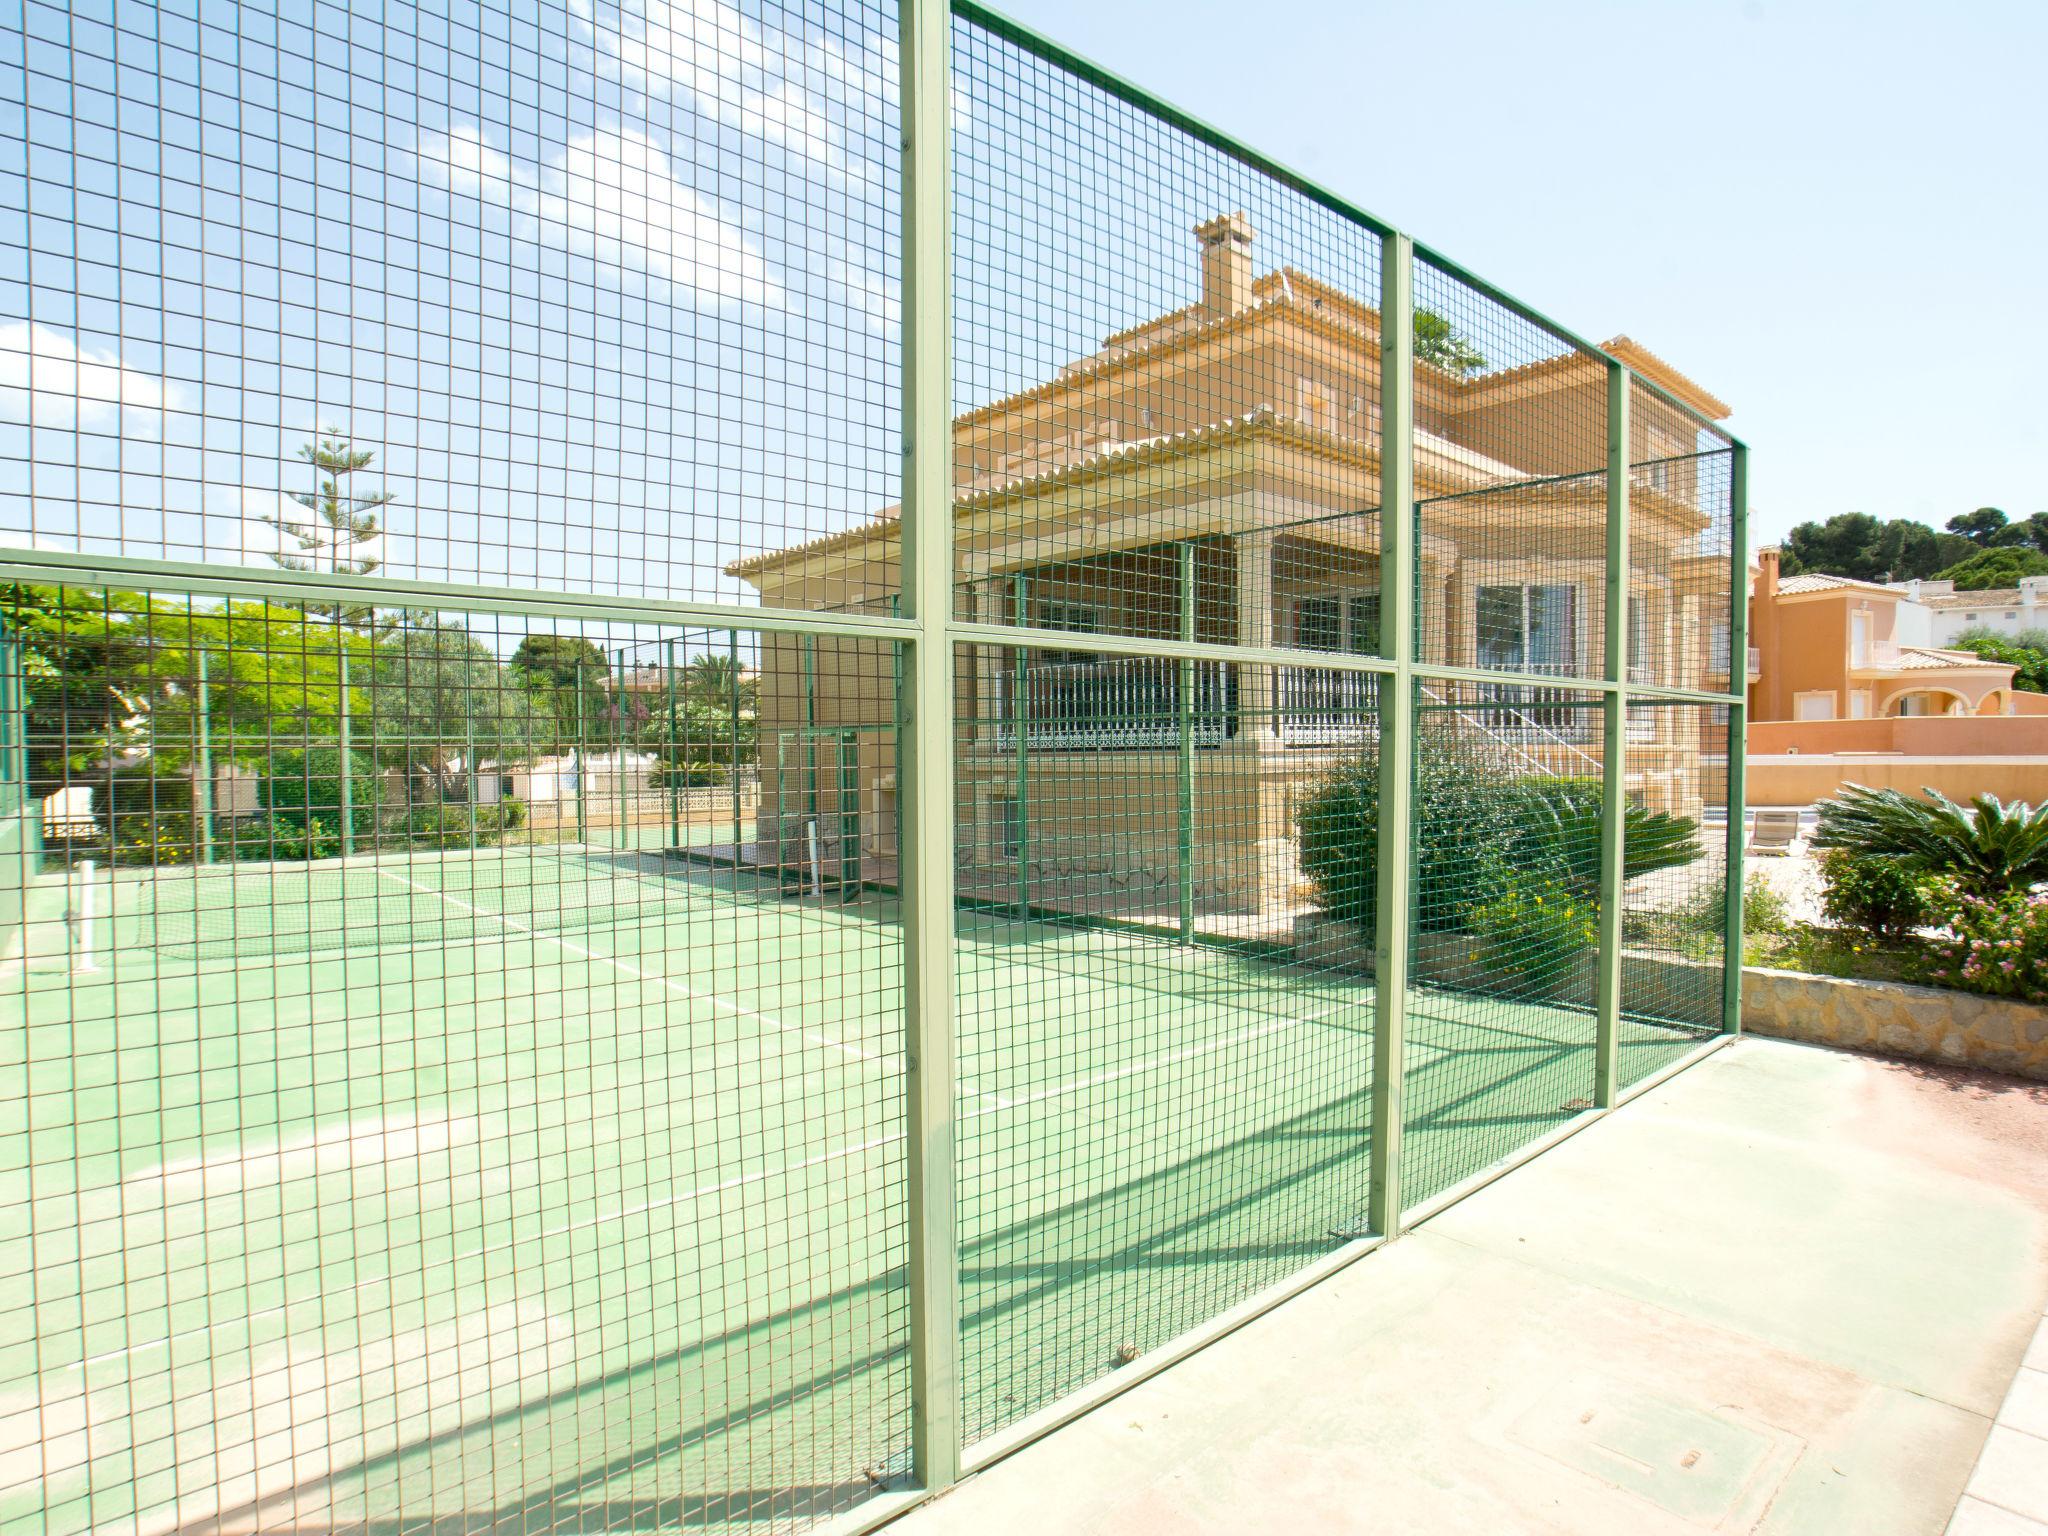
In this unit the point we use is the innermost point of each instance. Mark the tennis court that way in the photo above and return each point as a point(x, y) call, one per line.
point(394, 1188)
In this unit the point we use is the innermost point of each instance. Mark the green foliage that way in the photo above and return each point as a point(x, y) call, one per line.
point(299, 779)
point(552, 665)
point(1989, 849)
point(1558, 831)
point(1882, 896)
point(1459, 808)
point(436, 694)
point(1536, 932)
point(1981, 526)
point(698, 775)
point(2001, 567)
point(446, 827)
point(1438, 343)
point(1764, 909)
point(266, 841)
point(2031, 533)
point(2029, 662)
point(339, 524)
point(1995, 947)
point(1476, 823)
point(1857, 545)
point(144, 814)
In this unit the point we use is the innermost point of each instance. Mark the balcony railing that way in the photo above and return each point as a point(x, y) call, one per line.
point(1322, 707)
point(1119, 702)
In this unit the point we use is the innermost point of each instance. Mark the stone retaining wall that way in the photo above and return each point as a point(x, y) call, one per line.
point(1927, 1023)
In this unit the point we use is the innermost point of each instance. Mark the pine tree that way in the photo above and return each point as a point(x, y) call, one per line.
point(342, 523)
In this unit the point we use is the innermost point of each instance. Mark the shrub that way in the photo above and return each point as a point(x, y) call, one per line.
point(1764, 909)
point(1459, 813)
point(1536, 933)
point(286, 840)
point(1558, 831)
point(1995, 947)
point(303, 779)
point(145, 815)
point(1883, 895)
point(698, 775)
point(1989, 848)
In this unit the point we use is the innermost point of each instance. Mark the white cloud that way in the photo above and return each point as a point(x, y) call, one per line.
point(747, 74)
point(613, 197)
point(47, 378)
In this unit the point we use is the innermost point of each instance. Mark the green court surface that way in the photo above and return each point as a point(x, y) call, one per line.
point(564, 1188)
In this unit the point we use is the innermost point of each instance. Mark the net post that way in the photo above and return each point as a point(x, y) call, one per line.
point(1020, 818)
point(927, 828)
point(1397, 724)
point(1738, 745)
point(1184, 710)
point(1614, 747)
point(202, 753)
point(345, 791)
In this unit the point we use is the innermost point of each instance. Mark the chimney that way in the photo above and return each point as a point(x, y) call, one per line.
point(1226, 263)
point(1763, 634)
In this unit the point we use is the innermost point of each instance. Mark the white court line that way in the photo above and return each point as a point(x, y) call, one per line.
point(738, 1181)
point(586, 1223)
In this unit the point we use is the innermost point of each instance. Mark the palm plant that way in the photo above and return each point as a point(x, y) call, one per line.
point(1561, 831)
point(1988, 848)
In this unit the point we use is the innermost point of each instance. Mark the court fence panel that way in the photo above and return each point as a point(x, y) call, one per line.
point(744, 748)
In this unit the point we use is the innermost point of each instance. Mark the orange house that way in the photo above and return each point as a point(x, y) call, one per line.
point(1846, 687)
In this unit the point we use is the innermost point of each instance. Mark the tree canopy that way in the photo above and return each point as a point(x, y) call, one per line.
point(1857, 545)
point(2000, 566)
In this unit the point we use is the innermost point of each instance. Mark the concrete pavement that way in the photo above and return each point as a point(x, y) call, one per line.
point(1783, 1293)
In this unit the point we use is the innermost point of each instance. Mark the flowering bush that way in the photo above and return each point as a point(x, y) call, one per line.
point(1535, 934)
point(1996, 947)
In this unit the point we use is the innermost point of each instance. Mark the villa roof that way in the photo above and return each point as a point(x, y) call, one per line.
point(1809, 582)
point(1438, 459)
point(1989, 597)
point(1928, 658)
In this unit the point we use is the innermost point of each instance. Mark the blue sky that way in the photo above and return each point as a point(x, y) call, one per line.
point(1833, 215)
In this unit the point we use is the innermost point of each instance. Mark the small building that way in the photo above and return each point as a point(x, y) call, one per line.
point(2004, 611)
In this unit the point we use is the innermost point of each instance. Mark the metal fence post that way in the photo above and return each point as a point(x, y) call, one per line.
point(202, 702)
point(345, 791)
point(675, 789)
point(1738, 719)
point(732, 650)
point(582, 764)
point(1614, 747)
point(1020, 731)
point(927, 825)
point(1397, 722)
point(1184, 708)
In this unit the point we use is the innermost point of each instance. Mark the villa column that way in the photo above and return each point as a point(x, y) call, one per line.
point(1254, 552)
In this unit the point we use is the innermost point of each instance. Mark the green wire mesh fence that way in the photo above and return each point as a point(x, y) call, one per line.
point(467, 1002)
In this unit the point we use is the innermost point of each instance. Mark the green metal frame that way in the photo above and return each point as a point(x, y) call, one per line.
point(1614, 746)
point(1738, 745)
point(923, 631)
point(1396, 728)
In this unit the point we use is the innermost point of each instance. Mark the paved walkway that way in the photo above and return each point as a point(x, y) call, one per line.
point(2008, 1493)
point(1785, 1292)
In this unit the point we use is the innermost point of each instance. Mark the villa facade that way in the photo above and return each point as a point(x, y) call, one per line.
point(1215, 474)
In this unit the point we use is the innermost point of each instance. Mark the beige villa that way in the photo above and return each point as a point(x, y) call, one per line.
point(1236, 441)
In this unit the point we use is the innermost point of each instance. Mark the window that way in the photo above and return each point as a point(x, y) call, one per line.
point(1328, 621)
point(1318, 624)
point(1814, 706)
point(1528, 628)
